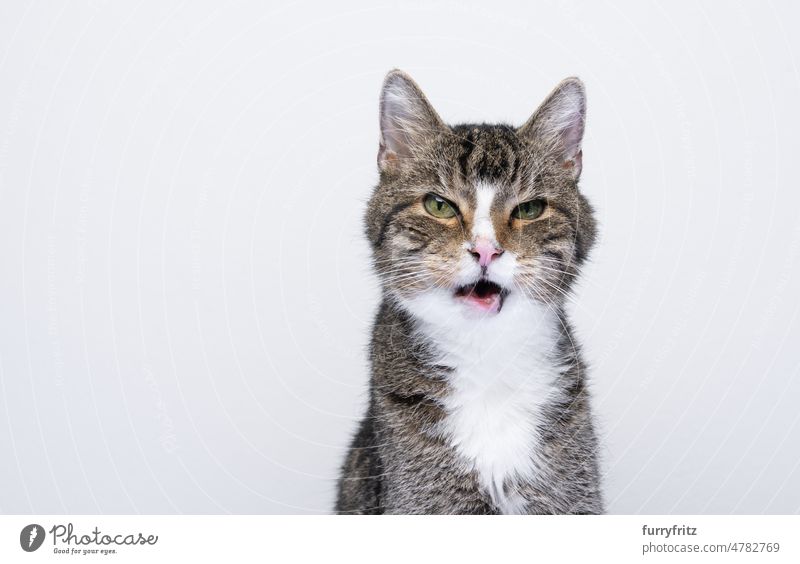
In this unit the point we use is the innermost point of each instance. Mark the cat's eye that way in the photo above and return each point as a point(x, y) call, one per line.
point(439, 207)
point(529, 210)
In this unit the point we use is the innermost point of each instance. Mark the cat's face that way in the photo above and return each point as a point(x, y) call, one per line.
point(468, 218)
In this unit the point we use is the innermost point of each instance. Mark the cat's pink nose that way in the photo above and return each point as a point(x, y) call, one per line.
point(485, 251)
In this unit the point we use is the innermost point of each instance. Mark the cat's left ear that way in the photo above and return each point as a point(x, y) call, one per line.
point(407, 118)
point(558, 124)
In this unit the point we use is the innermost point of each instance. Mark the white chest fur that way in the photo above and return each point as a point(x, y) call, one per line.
point(503, 375)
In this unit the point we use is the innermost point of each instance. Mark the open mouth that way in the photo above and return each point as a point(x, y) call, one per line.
point(483, 295)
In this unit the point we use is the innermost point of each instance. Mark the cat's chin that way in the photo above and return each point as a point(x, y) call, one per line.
point(483, 297)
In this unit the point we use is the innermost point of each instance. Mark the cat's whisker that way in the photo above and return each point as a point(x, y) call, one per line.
point(556, 270)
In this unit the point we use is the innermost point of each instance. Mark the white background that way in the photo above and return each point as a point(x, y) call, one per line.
point(185, 295)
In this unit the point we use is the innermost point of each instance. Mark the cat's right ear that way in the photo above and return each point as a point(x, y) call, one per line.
point(558, 124)
point(406, 118)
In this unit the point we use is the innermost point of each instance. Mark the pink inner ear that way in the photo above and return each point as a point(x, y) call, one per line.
point(572, 134)
point(386, 157)
point(575, 163)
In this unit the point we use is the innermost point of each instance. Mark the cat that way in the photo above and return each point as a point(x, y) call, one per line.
point(478, 401)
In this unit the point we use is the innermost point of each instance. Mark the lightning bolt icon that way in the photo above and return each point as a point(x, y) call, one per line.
point(34, 534)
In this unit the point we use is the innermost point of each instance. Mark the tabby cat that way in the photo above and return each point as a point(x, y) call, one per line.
point(478, 400)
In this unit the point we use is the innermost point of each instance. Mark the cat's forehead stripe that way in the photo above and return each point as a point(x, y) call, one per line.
point(487, 152)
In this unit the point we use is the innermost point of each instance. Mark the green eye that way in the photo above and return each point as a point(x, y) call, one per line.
point(439, 207)
point(529, 210)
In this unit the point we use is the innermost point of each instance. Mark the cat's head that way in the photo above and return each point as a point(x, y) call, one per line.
point(470, 218)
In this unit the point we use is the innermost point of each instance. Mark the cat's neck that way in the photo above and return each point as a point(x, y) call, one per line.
point(523, 333)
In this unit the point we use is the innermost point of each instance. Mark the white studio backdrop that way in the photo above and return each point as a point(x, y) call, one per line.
point(186, 297)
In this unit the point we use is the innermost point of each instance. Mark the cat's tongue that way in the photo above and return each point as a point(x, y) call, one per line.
point(484, 296)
